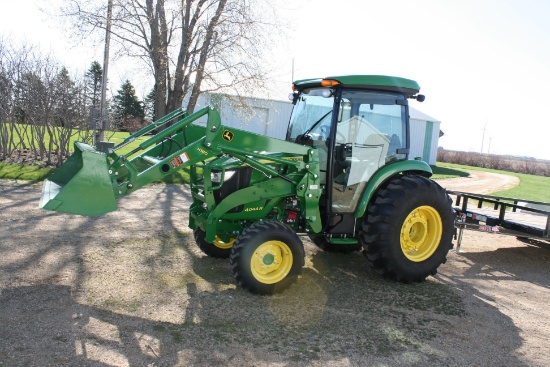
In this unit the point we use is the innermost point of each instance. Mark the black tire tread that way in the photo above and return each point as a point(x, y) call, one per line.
point(240, 266)
point(209, 248)
point(379, 226)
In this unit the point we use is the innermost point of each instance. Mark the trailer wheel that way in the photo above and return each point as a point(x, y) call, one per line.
point(218, 248)
point(267, 257)
point(323, 244)
point(407, 230)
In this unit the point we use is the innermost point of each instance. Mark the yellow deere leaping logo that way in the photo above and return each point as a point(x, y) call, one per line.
point(227, 135)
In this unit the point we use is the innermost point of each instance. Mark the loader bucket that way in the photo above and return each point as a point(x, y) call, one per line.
point(82, 185)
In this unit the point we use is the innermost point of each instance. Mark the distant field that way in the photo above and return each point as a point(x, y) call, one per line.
point(531, 187)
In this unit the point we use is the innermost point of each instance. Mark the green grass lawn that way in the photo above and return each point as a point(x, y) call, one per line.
point(27, 173)
point(531, 187)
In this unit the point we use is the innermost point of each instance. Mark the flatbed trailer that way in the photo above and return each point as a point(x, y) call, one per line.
point(500, 215)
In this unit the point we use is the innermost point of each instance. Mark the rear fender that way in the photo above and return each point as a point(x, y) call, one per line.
point(384, 174)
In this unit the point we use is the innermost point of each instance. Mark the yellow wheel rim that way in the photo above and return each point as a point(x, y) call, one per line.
point(271, 262)
point(421, 233)
point(223, 245)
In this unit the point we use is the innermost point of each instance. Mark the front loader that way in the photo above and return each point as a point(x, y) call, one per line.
point(342, 177)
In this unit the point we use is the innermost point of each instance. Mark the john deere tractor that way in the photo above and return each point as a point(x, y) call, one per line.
point(343, 178)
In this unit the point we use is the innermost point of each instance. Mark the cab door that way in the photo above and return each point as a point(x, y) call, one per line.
point(370, 130)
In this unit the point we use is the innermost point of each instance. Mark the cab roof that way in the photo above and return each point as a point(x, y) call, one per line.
point(373, 82)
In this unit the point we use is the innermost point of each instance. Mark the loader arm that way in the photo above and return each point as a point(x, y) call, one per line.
point(90, 182)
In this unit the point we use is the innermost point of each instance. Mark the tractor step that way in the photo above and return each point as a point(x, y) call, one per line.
point(344, 241)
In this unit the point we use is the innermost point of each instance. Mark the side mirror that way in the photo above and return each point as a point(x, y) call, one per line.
point(293, 97)
point(420, 98)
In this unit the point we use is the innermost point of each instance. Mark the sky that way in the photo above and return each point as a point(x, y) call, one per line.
point(483, 65)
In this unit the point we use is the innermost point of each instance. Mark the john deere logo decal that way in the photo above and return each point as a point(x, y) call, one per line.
point(227, 135)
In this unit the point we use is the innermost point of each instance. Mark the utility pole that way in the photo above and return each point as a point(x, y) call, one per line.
point(99, 135)
point(483, 137)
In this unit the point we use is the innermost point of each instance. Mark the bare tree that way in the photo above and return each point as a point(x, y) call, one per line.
point(189, 45)
point(41, 107)
point(6, 98)
point(13, 66)
point(69, 112)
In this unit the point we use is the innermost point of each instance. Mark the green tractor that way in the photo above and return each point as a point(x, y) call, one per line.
point(341, 178)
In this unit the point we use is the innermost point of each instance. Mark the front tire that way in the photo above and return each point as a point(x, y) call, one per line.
point(408, 229)
point(267, 257)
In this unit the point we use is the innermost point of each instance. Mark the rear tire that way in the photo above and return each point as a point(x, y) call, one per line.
point(219, 248)
point(267, 257)
point(408, 228)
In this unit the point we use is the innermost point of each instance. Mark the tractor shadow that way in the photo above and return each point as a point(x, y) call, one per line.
point(338, 312)
point(528, 262)
point(65, 282)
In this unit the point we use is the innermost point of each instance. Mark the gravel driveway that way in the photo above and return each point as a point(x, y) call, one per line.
point(130, 288)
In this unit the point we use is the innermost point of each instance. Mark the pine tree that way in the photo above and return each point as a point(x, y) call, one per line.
point(126, 107)
point(66, 99)
point(93, 78)
point(149, 105)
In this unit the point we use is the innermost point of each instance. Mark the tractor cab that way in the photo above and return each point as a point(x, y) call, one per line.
point(358, 124)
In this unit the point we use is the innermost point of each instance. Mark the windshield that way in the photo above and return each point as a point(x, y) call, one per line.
point(311, 115)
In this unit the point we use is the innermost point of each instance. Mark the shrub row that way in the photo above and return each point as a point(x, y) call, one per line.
point(528, 166)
